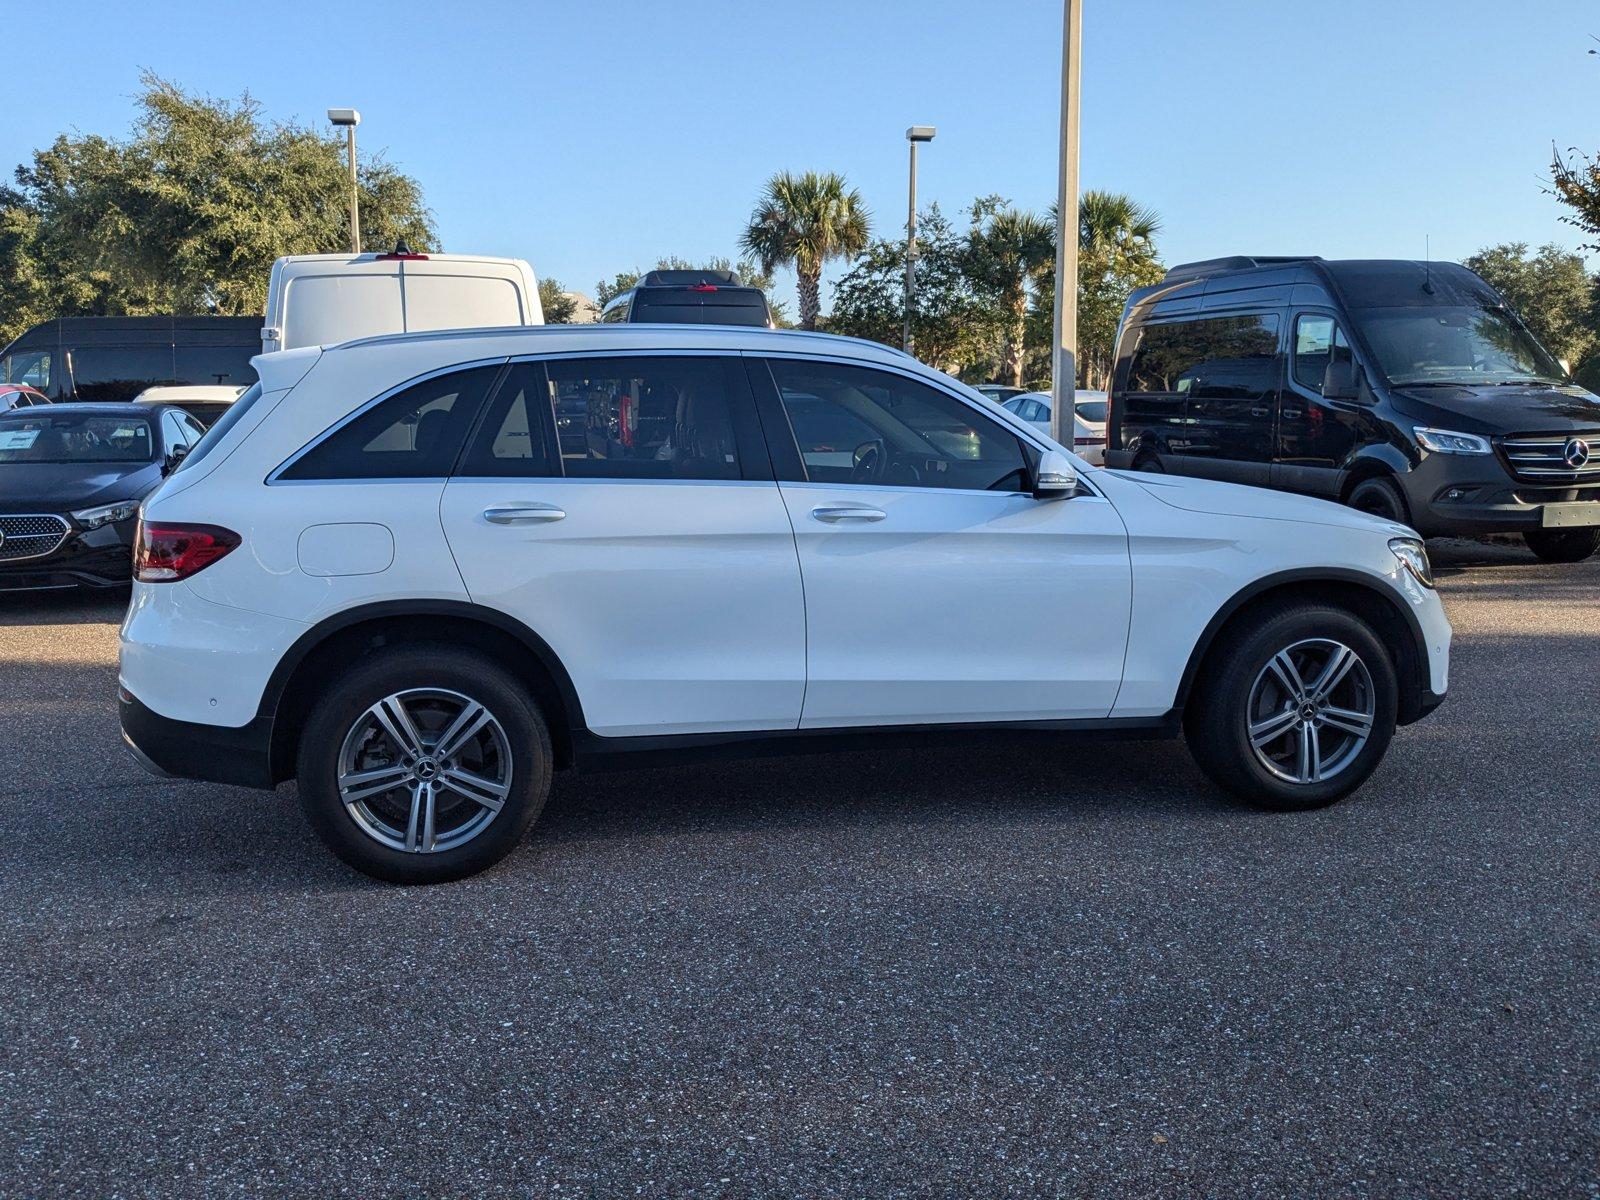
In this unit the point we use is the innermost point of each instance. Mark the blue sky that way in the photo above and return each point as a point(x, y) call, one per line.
point(594, 137)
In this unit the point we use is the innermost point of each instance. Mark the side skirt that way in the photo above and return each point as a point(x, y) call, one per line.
point(594, 754)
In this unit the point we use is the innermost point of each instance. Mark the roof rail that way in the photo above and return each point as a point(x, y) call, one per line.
point(1236, 262)
point(642, 331)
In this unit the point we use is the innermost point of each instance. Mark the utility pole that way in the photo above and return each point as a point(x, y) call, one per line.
point(1065, 358)
point(349, 118)
point(917, 133)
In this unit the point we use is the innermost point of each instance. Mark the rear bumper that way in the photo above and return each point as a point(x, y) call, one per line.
point(187, 750)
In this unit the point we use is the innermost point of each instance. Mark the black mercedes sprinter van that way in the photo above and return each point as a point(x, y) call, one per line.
point(1406, 389)
point(690, 298)
point(116, 358)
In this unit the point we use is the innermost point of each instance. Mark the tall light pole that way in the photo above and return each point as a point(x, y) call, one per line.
point(1065, 360)
point(917, 133)
point(349, 118)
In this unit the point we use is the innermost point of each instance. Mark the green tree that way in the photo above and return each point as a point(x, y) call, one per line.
point(804, 221)
point(1576, 183)
point(1551, 290)
point(559, 307)
point(1116, 254)
point(1010, 253)
point(954, 323)
point(186, 214)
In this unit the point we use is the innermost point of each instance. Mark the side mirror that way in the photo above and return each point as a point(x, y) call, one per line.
point(1341, 381)
point(1056, 478)
point(174, 457)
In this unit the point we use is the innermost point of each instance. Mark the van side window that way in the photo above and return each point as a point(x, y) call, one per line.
point(107, 373)
point(1318, 343)
point(644, 418)
point(515, 438)
point(1220, 357)
point(415, 434)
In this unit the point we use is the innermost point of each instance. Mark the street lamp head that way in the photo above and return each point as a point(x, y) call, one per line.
point(920, 133)
point(344, 116)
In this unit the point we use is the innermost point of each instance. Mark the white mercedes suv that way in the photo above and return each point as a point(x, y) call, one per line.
point(419, 573)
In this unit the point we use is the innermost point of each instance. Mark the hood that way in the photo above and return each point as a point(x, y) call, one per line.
point(1237, 500)
point(60, 487)
point(1492, 411)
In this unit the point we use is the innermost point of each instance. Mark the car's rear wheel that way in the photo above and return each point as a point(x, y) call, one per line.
point(1381, 498)
point(1563, 545)
point(424, 764)
point(1294, 708)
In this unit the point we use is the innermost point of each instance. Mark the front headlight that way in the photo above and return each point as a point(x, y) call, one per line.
point(1446, 441)
point(93, 518)
point(1413, 555)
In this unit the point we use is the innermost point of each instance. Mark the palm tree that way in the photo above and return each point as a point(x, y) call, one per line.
point(803, 221)
point(1008, 251)
point(1112, 225)
point(1116, 253)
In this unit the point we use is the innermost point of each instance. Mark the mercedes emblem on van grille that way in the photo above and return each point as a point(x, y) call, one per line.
point(1575, 453)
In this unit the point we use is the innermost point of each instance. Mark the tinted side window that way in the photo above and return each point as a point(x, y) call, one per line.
point(229, 365)
point(856, 425)
point(1318, 341)
point(644, 418)
point(31, 367)
point(1227, 357)
point(415, 434)
point(515, 438)
point(119, 373)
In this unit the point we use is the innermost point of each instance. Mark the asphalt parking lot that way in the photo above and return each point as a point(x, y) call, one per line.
point(900, 974)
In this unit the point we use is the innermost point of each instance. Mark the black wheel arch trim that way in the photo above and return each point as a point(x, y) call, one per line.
point(306, 643)
point(1416, 697)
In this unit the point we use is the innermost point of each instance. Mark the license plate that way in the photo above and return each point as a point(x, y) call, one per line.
point(1570, 516)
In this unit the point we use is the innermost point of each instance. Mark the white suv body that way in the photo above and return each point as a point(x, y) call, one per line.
point(682, 538)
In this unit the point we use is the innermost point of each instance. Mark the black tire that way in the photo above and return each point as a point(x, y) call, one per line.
point(1218, 716)
point(1563, 545)
point(1150, 464)
point(1382, 498)
point(522, 749)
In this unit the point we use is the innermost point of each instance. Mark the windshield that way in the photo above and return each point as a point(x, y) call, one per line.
point(32, 437)
point(1456, 344)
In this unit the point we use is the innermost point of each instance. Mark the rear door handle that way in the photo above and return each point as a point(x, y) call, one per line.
point(1293, 414)
point(834, 513)
point(523, 514)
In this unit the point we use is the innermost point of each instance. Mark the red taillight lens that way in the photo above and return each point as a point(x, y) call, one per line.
point(168, 553)
point(703, 287)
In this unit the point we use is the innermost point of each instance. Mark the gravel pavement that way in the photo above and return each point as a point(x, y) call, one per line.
point(934, 973)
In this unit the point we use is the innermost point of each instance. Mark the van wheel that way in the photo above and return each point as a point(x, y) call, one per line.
point(1294, 708)
point(424, 764)
point(1563, 545)
point(1381, 498)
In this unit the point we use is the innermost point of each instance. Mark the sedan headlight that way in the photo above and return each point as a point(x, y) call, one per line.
point(1446, 441)
point(93, 518)
point(1413, 556)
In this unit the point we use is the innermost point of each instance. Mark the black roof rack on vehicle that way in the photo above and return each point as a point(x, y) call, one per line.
point(694, 278)
point(1236, 262)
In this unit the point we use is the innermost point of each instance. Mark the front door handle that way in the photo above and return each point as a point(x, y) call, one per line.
point(833, 513)
point(1292, 414)
point(523, 514)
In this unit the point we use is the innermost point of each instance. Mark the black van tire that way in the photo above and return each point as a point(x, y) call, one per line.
point(437, 667)
point(1563, 545)
point(1217, 716)
point(1381, 498)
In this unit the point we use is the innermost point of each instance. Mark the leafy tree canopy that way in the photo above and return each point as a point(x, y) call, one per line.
point(186, 213)
point(1551, 290)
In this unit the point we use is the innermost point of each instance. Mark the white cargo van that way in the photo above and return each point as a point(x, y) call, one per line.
point(321, 299)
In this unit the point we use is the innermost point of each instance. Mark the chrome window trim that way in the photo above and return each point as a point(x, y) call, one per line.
point(274, 476)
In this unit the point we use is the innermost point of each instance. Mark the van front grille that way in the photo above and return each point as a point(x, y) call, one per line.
point(1553, 457)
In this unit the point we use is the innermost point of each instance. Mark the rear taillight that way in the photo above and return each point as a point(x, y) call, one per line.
point(166, 553)
point(702, 287)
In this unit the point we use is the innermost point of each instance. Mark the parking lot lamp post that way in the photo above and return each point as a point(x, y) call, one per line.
point(1065, 360)
point(349, 118)
point(917, 133)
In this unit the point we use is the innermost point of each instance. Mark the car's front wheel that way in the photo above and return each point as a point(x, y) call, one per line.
point(424, 764)
point(1294, 708)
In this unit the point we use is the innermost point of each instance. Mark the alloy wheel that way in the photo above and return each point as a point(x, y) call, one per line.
point(1311, 710)
point(424, 770)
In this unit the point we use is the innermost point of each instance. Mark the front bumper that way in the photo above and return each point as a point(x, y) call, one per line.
point(95, 558)
point(1472, 494)
point(187, 750)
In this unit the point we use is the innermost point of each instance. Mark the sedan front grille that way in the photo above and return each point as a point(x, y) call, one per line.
point(1542, 458)
point(31, 535)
